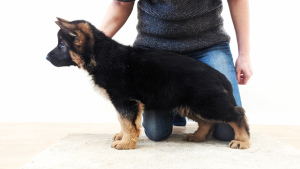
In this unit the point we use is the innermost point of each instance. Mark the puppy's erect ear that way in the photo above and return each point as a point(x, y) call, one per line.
point(62, 20)
point(67, 26)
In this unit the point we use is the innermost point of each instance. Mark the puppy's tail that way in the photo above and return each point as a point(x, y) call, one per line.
point(240, 111)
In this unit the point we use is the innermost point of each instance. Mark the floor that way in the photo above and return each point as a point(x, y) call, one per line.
point(20, 142)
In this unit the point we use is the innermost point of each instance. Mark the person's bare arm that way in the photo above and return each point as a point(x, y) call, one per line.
point(115, 17)
point(239, 10)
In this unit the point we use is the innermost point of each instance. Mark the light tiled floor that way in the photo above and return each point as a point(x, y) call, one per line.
point(20, 142)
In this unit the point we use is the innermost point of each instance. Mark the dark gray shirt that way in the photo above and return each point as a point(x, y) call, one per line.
point(179, 25)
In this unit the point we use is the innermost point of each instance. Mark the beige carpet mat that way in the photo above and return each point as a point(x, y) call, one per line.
point(93, 151)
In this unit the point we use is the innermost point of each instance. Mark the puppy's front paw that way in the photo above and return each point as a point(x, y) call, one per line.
point(118, 136)
point(122, 145)
point(239, 144)
point(193, 138)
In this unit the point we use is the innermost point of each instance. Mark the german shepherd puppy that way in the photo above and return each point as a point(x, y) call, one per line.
point(136, 79)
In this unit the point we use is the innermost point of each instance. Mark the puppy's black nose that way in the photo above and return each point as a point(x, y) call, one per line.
point(48, 58)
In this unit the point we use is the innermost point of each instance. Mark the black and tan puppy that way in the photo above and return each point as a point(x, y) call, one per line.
point(136, 79)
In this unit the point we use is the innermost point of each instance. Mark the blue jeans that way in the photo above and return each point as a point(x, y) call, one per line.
point(158, 125)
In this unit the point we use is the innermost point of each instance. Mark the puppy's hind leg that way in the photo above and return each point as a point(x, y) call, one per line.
point(241, 131)
point(130, 121)
point(200, 135)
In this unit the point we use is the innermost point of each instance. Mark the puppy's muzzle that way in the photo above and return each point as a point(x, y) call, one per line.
point(54, 61)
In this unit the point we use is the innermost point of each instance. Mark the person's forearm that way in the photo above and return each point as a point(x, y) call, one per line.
point(239, 10)
point(115, 17)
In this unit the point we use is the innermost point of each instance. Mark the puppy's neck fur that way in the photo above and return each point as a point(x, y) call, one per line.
point(108, 56)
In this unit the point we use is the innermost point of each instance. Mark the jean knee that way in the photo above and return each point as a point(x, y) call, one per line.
point(223, 132)
point(158, 134)
point(157, 125)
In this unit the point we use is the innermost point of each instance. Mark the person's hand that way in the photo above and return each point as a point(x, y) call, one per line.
point(243, 69)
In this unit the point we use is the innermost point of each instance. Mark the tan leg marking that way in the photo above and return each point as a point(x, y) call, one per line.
point(201, 133)
point(204, 126)
point(129, 135)
point(184, 111)
point(242, 139)
point(119, 136)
